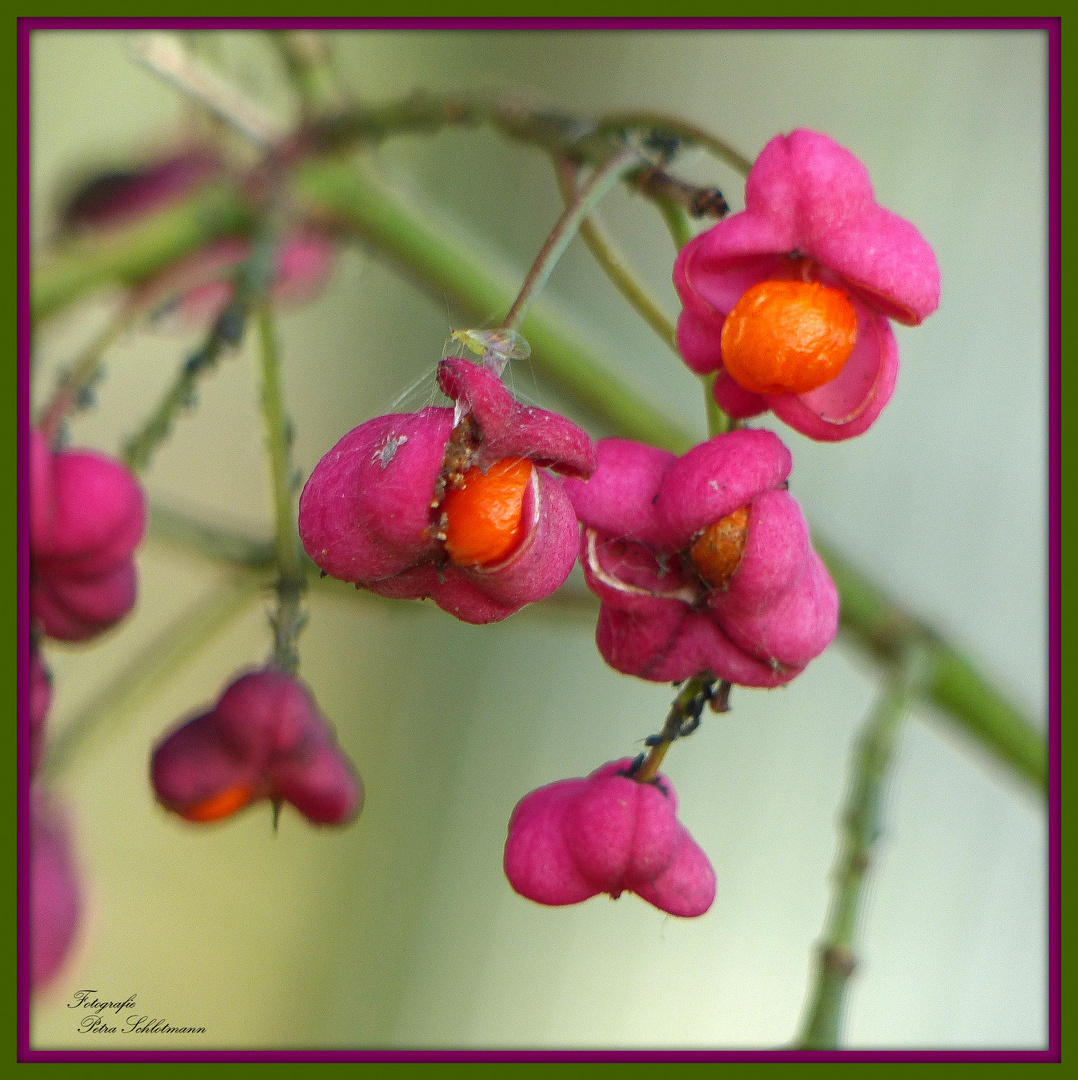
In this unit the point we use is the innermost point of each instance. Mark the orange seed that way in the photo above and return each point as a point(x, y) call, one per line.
point(219, 806)
point(788, 337)
point(483, 513)
point(717, 551)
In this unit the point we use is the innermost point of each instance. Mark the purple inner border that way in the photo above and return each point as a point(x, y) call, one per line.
point(1052, 26)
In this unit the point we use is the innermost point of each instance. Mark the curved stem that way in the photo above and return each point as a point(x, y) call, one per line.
point(433, 257)
point(885, 630)
point(292, 579)
point(677, 222)
point(597, 185)
point(683, 130)
point(610, 259)
point(718, 422)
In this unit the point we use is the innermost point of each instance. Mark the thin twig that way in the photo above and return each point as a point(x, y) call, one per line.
point(683, 718)
point(718, 422)
point(700, 202)
point(682, 130)
point(73, 388)
point(167, 58)
point(227, 331)
point(583, 139)
point(861, 827)
point(440, 262)
point(612, 262)
point(577, 209)
point(289, 618)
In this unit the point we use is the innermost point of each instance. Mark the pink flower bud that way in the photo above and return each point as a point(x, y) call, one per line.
point(264, 739)
point(87, 516)
point(703, 562)
point(384, 507)
point(40, 700)
point(810, 215)
point(199, 287)
point(574, 839)
point(55, 903)
point(118, 198)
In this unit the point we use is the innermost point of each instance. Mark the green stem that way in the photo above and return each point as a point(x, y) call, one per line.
point(142, 678)
point(210, 541)
point(677, 222)
point(444, 265)
point(242, 553)
point(861, 826)
point(307, 58)
point(691, 698)
point(292, 578)
point(70, 391)
point(138, 451)
point(883, 628)
point(614, 265)
point(718, 423)
point(597, 185)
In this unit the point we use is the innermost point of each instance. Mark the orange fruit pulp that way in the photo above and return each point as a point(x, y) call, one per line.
point(716, 552)
point(484, 513)
point(219, 806)
point(788, 337)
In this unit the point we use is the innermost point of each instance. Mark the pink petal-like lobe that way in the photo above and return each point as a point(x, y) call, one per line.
point(809, 211)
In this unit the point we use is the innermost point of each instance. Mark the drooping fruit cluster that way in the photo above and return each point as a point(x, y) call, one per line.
point(264, 739)
point(703, 563)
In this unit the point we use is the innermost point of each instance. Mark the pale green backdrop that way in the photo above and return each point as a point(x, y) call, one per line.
point(402, 931)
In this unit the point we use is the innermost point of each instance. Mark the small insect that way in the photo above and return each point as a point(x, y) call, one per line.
point(385, 453)
point(501, 345)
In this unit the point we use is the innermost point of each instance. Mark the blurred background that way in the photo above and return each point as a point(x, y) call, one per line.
point(401, 931)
